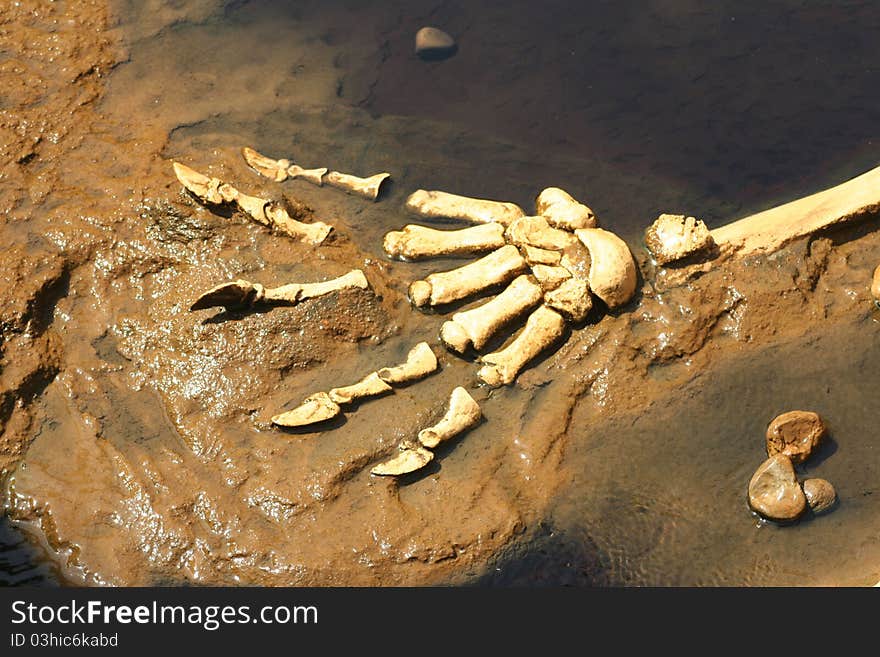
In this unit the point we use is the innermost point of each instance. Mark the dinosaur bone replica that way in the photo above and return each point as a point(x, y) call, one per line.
point(556, 267)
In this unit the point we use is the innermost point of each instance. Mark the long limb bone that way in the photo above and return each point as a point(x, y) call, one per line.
point(420, 362)
point(268, 213)
point(443, 205)
point(477, 326)
point(445, 287)
point(414, 242)
point(543, 328)
point(462, 414)
point(242, 294)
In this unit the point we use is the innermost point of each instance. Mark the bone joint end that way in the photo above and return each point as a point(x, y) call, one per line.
point(462, 414)
point(420, 362)
point(370, 386)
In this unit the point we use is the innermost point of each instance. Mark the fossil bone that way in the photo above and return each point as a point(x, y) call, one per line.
point(772, 229)
point(536, 232)
point(409, 459)
point(366, 187)
point(420, 362)
point(439, 205)
point(445, 287)
point(536, 256)
point(477, 326)
point(281, 170)
point(612, 274)
point(462, 414)
point(268, 213)
point(415, 241)
point(562, 211)
point(572, 298)
point(544, 327)
point(550, 277)
point(674, 236)
point(241, 294)
point(315, 408)
point(370, 386)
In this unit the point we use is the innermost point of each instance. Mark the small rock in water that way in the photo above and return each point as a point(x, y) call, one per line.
point(820, 494)
point(795, 434)
point(432, 43)
point(774, 491)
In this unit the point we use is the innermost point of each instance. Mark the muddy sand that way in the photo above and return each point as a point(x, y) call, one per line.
point(136, 444)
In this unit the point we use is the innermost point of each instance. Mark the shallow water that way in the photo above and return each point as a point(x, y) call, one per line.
point(635, 108)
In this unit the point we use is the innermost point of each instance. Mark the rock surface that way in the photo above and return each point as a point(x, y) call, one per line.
point(433, 43)
point(674, 236)
point(820, 494)
point(795, 434)
point(774, 491)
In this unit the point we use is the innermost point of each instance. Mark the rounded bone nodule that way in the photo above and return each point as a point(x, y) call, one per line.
point(455, 337)
point(420, 293)
point(875, 286)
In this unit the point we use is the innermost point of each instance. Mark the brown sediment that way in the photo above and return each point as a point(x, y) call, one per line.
point(145, 430)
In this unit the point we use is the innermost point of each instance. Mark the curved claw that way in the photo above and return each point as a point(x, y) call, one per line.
point(236, 295)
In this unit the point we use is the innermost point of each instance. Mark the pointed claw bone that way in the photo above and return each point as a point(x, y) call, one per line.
point(280, 170)
point(315, 408)
point(366, 187)
point(445, 287)
point(266, 166)
point(420, 362)
point(462, 414)
point(232, 296)
point(443, 205)
point(407, 460)
point(414, 242)
point(370, 386)
point(612, 269)
point(562, 211)
point(536, 232)
point(542, 329)
point(476, 327)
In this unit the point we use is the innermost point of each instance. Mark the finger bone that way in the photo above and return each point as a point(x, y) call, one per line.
point(544, 327)
point(420, 362)
point(294, 292)
point(536, 256)
point(315, 232)
point(370, 386)
point(415, 242)
point(440, 205)
point(476, 327)
point(462, 414)
point(314, 176)
point(445, 287)
point(366, 187)
point(315, 408)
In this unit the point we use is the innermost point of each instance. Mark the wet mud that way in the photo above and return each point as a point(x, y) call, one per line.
point(136, 442)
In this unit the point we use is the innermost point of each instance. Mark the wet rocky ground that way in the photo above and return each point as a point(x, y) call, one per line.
point(136, 447)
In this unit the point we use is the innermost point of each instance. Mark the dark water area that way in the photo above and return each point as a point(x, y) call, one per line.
point(713, 109)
